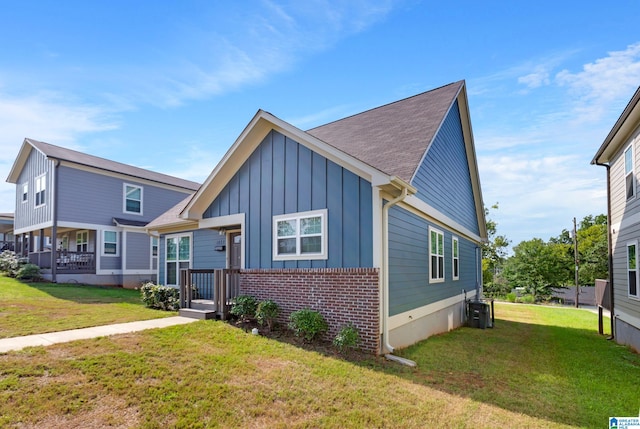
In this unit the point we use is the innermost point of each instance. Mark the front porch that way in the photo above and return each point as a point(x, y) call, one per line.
point(209, 293)
point(66, 261)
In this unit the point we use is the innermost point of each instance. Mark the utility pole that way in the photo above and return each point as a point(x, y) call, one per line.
point(575, 258)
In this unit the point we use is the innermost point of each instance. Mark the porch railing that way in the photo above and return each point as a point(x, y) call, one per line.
point(217, 288)
point(66, 261)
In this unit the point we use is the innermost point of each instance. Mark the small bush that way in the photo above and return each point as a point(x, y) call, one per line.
point(528, 299)
point(10, 263)
point(308, 324)
point(160, 297)
point(347, 338)
point(267, 312)
point(244, 307)
point(511, 297)
point(28, 272)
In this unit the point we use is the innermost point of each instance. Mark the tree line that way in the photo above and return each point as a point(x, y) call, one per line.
point(540, 266)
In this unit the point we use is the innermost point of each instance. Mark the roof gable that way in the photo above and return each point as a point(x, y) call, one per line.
point(622, 129)
point(395, 137)
point(62, 154)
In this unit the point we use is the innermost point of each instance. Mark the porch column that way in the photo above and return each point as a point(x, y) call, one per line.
point(41, 241)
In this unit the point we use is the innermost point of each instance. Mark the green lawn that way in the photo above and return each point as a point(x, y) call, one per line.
point(538, 368)
point(35, 308)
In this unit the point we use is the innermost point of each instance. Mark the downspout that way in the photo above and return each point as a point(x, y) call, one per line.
point(54, 223)
point(385, 279)
point(609, 247)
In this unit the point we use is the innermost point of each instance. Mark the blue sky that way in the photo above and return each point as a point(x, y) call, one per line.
point(169, 85)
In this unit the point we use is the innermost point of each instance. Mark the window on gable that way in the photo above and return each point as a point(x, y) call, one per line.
point(300, 236)
point(25, 192)
point(110, 243)
point(629, 175)
point(455, 258)
point(41, 187)
point(436, 256)
point(132, 199)
point(632, 269)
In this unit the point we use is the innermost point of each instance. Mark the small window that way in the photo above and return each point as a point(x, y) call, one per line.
point(632, 269)
point(41, 187)
point(25, 192)
point(110, 243)
point(300, 236)
point(628, 171)
point(436, 253)
point(132, 199)
point(154, 247)
point(455, 258)
point(82, 241)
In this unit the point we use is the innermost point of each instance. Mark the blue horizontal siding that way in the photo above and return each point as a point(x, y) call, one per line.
point(281, 176)
point(443, 179)
point(409, 286)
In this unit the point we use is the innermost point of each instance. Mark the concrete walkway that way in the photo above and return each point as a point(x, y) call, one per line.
point(18, 343)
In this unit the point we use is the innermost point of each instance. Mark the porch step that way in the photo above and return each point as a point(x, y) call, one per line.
point(197, 314)
point(203, 304)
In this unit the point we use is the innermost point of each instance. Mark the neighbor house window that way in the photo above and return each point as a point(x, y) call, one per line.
point(632, 269)
point(25, 192)
point(82, 241)
point(132, 199)
point(436, 256)
point(109, 243)
point(154, 246)
point(628, 171)
point(455, 258)
point(41, 187)
point(300, 236)
point(178, 257)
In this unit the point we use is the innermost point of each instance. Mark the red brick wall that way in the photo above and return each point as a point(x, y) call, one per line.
point(341, 295)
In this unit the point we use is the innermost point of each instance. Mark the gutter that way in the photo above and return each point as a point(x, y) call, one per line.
point(609, 246)
point(385, 278)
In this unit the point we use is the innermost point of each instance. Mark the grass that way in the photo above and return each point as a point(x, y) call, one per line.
point(538, 368)
point(36, 308)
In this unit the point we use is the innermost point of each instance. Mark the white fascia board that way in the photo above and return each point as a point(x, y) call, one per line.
point(31, 228)
point(222, 221)
point(250, 138)
point(441, 218)
point(20, 161)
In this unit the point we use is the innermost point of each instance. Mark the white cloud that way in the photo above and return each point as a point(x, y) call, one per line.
point(536, 79)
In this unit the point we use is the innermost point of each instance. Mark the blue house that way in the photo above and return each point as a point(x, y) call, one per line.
point(375, 219)
point(81, 218)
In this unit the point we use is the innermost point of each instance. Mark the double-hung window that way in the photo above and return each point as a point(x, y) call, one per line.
point(455, 258)
point(132, 199)
point(300, 236)
point(436, 256)
point(632, 269)
point(82, 241)
point(630, 181)
point(110, 243)
point(41, 188)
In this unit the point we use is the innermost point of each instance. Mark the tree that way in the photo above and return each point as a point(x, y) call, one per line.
point(494, 252)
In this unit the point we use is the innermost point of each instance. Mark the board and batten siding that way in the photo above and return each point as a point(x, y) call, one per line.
point(282, 176)
point(92, 198)
point(443, 179)
point(625, 220)
point(409, 286)
point(26, 213)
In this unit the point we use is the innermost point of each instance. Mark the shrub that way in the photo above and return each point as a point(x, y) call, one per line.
point(267, 312)
point(160, 297)
point(10, 263)
point(28, 272)
point(348, 338)
point(511, 297)
point(308, 324)
point(528, 299)
point(244, 307)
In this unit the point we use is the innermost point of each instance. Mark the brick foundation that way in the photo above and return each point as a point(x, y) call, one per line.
point(341, 295)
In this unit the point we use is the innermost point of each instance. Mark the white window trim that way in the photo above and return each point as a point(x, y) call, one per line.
point(323, 254)
point(124, 199)
point(103, 242)
point(637, 295)
point(42, 179)
point(439, 279)
point(631, 173)
point(455, 243)
point(25, 192)
point(82, 232)
point(178, 260)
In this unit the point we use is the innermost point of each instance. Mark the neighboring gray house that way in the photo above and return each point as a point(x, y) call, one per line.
point(375, 219)
point(620, 155)
point(81, 218)
point(6, 232)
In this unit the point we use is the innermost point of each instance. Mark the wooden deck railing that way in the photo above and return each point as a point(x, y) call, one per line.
point(217, 288)
point(67, 262)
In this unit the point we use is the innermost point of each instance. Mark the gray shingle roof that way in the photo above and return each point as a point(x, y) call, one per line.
point(392, 138)
point(63, 154)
